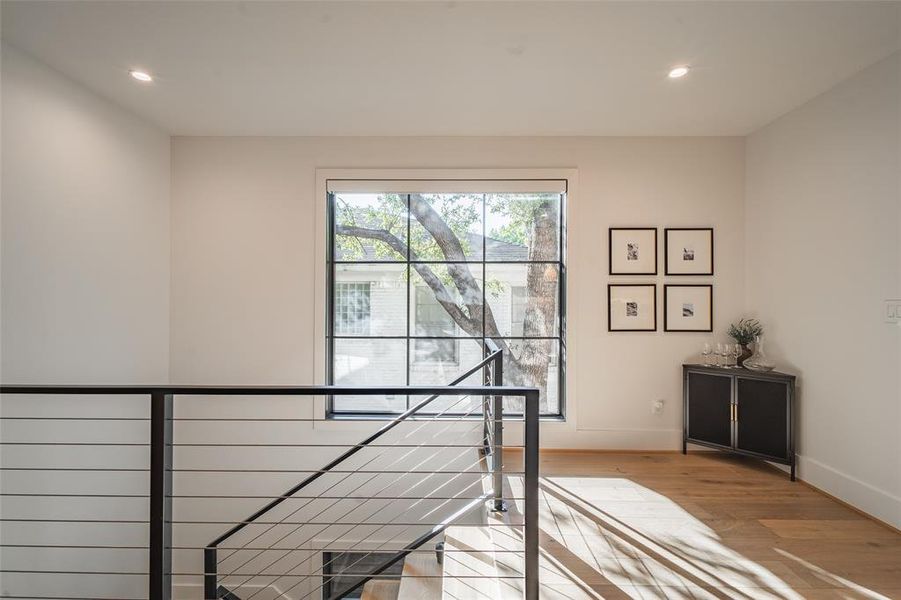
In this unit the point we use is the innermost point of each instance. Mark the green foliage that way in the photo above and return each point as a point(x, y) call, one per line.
point(388, 212)
point(519, 212)
point(511, 218)
point(463, 215)
point(745, 331)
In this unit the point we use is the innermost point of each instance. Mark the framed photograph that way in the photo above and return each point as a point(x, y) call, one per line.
point(632, 307)
point(688, 251)
point(633, 250)
point(688, 307)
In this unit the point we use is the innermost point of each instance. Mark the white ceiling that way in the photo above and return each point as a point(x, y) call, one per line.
point(457, 68)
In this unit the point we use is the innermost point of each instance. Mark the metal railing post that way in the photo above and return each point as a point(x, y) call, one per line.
point(160, 551)
point(497, 452)
point(530, 535)
point(486, 414)
point(210, 567)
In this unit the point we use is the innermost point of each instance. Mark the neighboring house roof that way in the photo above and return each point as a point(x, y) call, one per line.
point(495, 250)
point(500, 250)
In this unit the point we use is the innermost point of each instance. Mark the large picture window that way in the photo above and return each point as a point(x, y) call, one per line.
point(419, 280)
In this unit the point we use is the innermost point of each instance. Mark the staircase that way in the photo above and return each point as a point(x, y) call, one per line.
point(476, 563)
point(378, 589)
point(368, 503)
point(473, 561)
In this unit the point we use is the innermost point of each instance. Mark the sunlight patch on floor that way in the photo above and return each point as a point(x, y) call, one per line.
point(611, 538)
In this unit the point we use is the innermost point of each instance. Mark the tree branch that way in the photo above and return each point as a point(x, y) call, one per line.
point(452, 249)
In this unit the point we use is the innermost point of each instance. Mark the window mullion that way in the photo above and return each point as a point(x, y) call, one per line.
point(409, 291)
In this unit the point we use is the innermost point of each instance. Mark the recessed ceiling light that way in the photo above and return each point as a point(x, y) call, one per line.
point(677, 72)
point(141, 75)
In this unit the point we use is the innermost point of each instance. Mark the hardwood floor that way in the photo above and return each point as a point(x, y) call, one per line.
point(706, 525)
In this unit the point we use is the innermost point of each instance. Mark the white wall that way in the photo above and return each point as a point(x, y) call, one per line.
point(823, 253)
point(85, 238)
point(243, 262)
point(85, 299)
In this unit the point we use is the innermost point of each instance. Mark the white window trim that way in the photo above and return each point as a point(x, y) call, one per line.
point(392, 179)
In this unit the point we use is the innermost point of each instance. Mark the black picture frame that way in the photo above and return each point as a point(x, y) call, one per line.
point(610, 287)
point(610, 255)
point(667, 264)
point(666, 299)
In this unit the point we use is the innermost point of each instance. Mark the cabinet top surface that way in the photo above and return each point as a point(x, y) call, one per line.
point(738, 371)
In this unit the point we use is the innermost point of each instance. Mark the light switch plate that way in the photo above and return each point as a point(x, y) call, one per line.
point(893, 311)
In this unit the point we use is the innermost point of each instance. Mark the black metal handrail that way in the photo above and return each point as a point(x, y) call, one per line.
point(161, 446)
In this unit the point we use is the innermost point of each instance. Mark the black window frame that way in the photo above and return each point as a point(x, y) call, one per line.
point(332, 263)
point(330, 578)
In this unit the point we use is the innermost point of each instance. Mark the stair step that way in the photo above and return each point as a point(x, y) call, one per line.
point(381, 589)
point(225, 594)
point(471, 574)
point(422, 577)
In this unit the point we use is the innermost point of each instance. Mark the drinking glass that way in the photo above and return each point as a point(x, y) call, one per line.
point(736, 353)
point(705, 353)
point(719, 355)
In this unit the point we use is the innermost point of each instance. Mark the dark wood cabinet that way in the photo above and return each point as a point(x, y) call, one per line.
point(710, 414)
point(740, 411)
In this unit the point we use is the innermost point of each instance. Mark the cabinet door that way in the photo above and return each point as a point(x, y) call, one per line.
point(762, 415)
point(709, 409)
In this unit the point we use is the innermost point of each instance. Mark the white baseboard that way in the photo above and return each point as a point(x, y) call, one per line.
point(874, 501)
point(566, 436)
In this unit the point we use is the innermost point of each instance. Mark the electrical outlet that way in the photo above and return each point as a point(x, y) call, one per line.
point(893, 311)
point(657, 407)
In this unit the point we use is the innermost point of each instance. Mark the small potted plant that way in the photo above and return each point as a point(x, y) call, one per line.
point(744, 332)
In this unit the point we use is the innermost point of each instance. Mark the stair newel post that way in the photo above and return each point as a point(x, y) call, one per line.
point(530, 535)
point(486, 414)
point(160, 549)
point(209, 573)
point(497, 452)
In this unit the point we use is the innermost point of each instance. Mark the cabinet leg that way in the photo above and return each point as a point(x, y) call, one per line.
point(793, 472)
point(684, 447)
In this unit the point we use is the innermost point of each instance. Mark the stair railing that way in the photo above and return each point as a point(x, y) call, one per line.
point(492, 419)
point(160, 442)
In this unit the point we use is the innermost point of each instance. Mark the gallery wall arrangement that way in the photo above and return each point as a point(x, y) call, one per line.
point(687, 307)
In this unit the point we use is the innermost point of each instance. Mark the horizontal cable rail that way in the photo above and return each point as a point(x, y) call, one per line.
point(211, 560)
point(94, 491)
point(365, 442)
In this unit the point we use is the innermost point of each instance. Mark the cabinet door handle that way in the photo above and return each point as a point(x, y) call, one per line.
point(732, 412)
